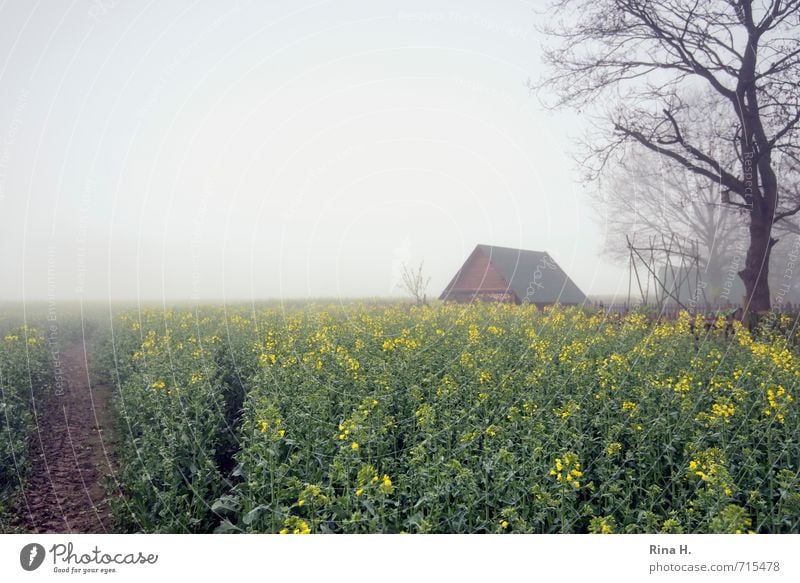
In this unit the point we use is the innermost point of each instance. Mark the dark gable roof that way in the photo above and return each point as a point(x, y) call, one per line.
point(534, 276)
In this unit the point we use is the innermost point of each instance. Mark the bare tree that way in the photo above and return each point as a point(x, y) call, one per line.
point(645, 59)
point(647, 194)
point(415, 283)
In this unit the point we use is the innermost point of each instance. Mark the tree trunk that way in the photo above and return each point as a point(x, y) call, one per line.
point(756, 267)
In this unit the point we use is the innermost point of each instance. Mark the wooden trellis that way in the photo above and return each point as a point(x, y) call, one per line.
point(652, 265)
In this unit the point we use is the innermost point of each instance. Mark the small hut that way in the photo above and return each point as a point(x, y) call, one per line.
point(502, 274)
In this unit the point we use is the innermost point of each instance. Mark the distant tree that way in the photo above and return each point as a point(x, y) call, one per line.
point(643, 60)
point(649, 196)
point(415, 283)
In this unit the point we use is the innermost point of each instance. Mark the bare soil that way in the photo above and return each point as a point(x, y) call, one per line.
point(71, 456)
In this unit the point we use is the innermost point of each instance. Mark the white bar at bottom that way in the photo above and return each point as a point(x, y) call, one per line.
point(381, 558)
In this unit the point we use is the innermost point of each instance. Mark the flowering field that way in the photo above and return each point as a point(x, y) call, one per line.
point(25, 375)
point(466, 419)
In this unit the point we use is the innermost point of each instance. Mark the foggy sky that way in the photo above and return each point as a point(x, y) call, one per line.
point(190, 150)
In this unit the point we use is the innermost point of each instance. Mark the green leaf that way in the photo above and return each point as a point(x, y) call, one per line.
point(254, 514)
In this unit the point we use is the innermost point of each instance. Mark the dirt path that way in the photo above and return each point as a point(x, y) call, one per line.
point(71, 457)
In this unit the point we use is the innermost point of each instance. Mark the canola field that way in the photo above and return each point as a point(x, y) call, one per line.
point(26, 374)
point(484, 418)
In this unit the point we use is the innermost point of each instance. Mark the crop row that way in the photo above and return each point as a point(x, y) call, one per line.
point(26, 373)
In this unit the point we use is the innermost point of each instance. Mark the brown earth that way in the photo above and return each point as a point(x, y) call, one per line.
point(71, 456)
